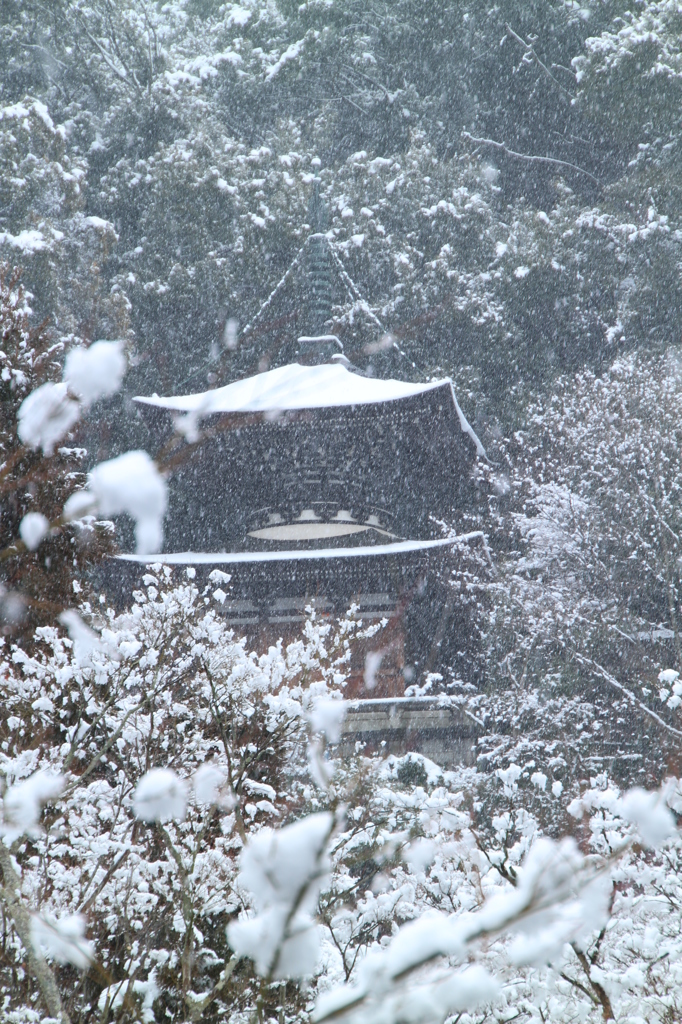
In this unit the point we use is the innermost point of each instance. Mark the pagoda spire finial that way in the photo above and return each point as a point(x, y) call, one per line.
point(319, 267)
point(318, 214)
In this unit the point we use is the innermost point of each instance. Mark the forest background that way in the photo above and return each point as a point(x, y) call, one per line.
point(503, 186)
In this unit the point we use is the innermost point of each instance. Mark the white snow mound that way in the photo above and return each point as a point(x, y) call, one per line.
point(95, 372)
point(45, 416)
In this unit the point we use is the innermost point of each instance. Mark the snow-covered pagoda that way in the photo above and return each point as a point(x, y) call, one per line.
point(315, 484)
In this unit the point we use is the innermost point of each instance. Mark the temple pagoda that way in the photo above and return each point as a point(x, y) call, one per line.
point(316, 484)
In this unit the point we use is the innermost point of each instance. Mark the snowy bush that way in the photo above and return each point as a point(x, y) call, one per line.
point(584, 611)
point(178, 845)
point(152, 769)
point(43, 556)
point(152, 751)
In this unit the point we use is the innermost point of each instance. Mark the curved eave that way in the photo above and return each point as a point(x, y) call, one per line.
point(466, 426)
point(294, 388)
point(308, 554)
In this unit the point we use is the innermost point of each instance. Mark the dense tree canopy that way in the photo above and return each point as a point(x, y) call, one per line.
point(486, 192)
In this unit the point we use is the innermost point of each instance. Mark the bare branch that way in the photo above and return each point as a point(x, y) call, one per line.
point(117, 71)
point(612, 681)
point(21, 917)
point(528, 47)
point(530, 158)
point(389, 96)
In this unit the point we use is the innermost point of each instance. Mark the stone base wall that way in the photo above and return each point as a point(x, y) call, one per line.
point(424, 725)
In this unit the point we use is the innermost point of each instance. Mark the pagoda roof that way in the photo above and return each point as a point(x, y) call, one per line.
point(235, 557)
point(296, 387)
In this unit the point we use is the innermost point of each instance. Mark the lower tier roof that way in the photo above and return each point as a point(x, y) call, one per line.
point(233, 557)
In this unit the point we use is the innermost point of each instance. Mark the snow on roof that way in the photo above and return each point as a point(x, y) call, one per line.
point(294, 387)
point(233, 557)
point(303, 387)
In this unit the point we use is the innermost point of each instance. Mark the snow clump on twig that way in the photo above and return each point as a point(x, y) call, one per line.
point(647, 811)
point(129, 483)
point(95, 372)
point(210, 786)
point(62, 939)
point(85, 641)
point(33, 528)
point(22, 803)
point(160, 796)
point(45, 416)
point(285, 872)
point(327, 717)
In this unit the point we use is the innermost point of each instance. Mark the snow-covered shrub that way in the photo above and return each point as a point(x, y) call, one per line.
point(49, 527)
point(170, 819)
point(515, 924)
point(135, 763)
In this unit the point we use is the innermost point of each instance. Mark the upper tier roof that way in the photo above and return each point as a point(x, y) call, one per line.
point(295, 387)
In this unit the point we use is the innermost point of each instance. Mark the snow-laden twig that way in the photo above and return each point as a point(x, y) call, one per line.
point(531, 52)
point(122, 75)
point(530, 158)
point(39, 968)
point(559, 897)
point(612, 681)
point(284, 871)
